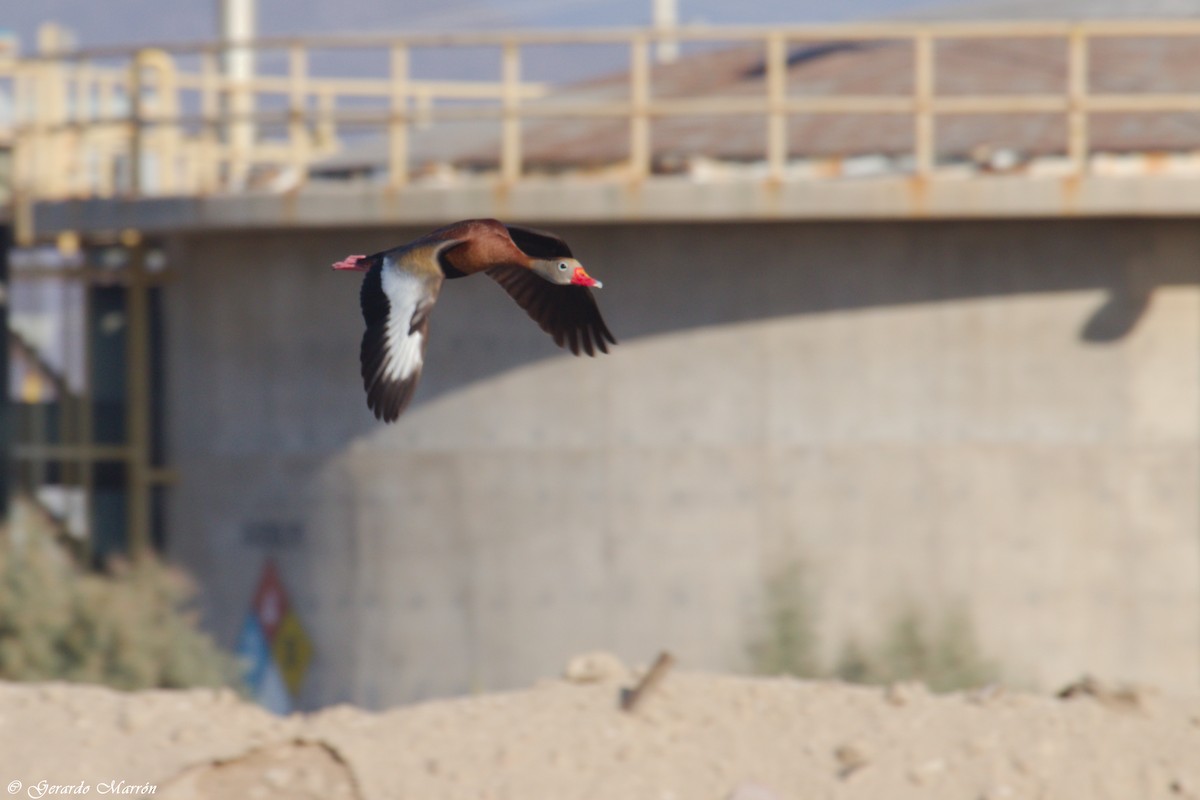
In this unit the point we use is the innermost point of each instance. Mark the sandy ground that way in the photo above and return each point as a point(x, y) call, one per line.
point(707, 737)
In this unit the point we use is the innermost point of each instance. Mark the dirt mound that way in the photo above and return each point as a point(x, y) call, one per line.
point(707, 737)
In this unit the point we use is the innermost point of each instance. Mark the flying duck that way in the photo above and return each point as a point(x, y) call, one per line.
point(402, 284)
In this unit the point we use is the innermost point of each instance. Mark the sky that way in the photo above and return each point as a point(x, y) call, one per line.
point(109, 22)
point(116, 22)
point(99, 23)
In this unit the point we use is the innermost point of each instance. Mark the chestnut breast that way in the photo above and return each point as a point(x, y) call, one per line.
point(485, 244)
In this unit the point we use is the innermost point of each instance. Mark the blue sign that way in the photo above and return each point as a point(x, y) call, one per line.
point(254, 652)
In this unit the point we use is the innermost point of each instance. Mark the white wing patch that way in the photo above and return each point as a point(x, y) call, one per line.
point(405, 292)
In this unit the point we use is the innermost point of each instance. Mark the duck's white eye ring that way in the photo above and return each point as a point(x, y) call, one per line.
point(562, 266)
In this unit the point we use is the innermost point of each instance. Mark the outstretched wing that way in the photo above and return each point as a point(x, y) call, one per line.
point(395, 305)
point(568, 313)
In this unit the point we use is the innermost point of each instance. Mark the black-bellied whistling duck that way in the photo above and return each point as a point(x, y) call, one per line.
point(402, 284)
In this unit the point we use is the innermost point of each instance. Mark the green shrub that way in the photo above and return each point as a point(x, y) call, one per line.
point(130, 629)
point(789, 644)
point(941, 653)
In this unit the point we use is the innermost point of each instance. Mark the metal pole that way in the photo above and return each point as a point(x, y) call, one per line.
point(238, 27)
point(137, 377)
point(666, 20)
point(86, 413)
point(238, 24)
point(6, 243)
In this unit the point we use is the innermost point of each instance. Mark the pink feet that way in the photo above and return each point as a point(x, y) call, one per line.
point(350, 262)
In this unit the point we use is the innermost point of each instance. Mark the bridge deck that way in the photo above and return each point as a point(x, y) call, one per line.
point(661, 199)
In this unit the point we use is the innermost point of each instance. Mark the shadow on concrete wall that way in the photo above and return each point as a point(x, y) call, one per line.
point(666, 278)
point(265, 336)
point(1118, 316)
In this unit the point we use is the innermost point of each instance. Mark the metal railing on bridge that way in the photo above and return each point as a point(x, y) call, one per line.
point(168, 121)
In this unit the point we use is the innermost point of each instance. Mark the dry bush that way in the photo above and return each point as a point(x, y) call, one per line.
point(130, 629)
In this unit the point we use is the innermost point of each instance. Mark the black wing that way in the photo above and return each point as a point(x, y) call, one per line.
point(568, 313)
point(538, 244)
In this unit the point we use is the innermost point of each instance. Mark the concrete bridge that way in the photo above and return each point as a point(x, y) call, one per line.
point(964, 376)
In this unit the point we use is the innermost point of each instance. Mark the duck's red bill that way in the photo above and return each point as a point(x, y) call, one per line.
point(581, 278)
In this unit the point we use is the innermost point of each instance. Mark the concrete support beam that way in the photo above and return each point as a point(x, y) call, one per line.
point(660, 199)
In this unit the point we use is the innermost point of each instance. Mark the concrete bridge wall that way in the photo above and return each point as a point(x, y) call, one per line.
point(999, 417)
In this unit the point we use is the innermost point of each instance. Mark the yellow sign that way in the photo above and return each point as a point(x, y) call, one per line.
point(293, 651)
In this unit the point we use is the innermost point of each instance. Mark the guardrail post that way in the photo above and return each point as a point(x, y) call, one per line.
point(398, 124)
point(81, 120)
point(50, 111)
point(297, 96)
point(164, 133)
point(326, 119)
point(510, 156)
point(777, 145)
point(107, 149)
point(24, 154)
point(1077, 90)
point(208, 169)
point(136, 114)
point(923, 87)
point(639, 121)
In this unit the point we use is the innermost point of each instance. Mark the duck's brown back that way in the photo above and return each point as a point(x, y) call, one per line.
point(485, 244)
